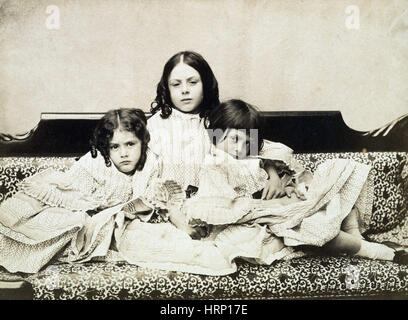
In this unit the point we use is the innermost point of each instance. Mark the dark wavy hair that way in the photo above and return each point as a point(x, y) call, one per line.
point(234, 114)
point(130, 119)
point(210, 84)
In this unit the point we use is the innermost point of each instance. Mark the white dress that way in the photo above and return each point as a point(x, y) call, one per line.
point(182, 142)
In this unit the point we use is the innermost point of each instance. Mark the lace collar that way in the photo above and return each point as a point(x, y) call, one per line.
point(184, 116)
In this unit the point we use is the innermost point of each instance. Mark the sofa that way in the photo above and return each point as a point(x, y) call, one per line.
point(315, 137)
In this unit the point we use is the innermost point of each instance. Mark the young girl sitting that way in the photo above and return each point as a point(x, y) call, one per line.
point(186, 93)
point(50, 210)
point(319, 210)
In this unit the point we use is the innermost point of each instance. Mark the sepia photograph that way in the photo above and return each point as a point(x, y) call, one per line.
point(206, 154)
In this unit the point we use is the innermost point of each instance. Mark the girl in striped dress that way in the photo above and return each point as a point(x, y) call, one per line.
point(187, 91)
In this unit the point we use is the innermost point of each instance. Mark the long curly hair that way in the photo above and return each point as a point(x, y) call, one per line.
point(130, 119)
point(210, 85)
point(235, 114)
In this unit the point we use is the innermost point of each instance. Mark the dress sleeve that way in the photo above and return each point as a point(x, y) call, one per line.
point(275, 151)
point(282, 158)
point(153, 126)
point(73, 189)
point(214, 180)
point(292, 173)
point(144, 181)
point(216, 201)
point(146, 187)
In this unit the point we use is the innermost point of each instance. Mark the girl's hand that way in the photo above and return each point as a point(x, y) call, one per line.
point(134, 207)
point(178, 219)
point(168, 194)
point(290, 189)
point(195, 232)
point(273, 189)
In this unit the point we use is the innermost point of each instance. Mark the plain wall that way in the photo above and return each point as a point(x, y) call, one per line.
point(276, 54)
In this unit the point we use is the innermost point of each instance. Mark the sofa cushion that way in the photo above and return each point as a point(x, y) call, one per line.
point(398, 234)
point(15, 169)
point(311, 277)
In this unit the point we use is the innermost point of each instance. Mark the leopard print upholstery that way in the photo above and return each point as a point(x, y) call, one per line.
point(311, 277)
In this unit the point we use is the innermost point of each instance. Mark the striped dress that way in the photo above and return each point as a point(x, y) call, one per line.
point(182, 143)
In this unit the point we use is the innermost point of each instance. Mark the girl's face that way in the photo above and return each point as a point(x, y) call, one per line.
point(235, 142)
point(125, 150)
point(186, 88)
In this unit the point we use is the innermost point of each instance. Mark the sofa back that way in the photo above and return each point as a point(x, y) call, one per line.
point(68, 134)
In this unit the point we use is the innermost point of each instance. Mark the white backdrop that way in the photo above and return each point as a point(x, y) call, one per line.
point(94, 55)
